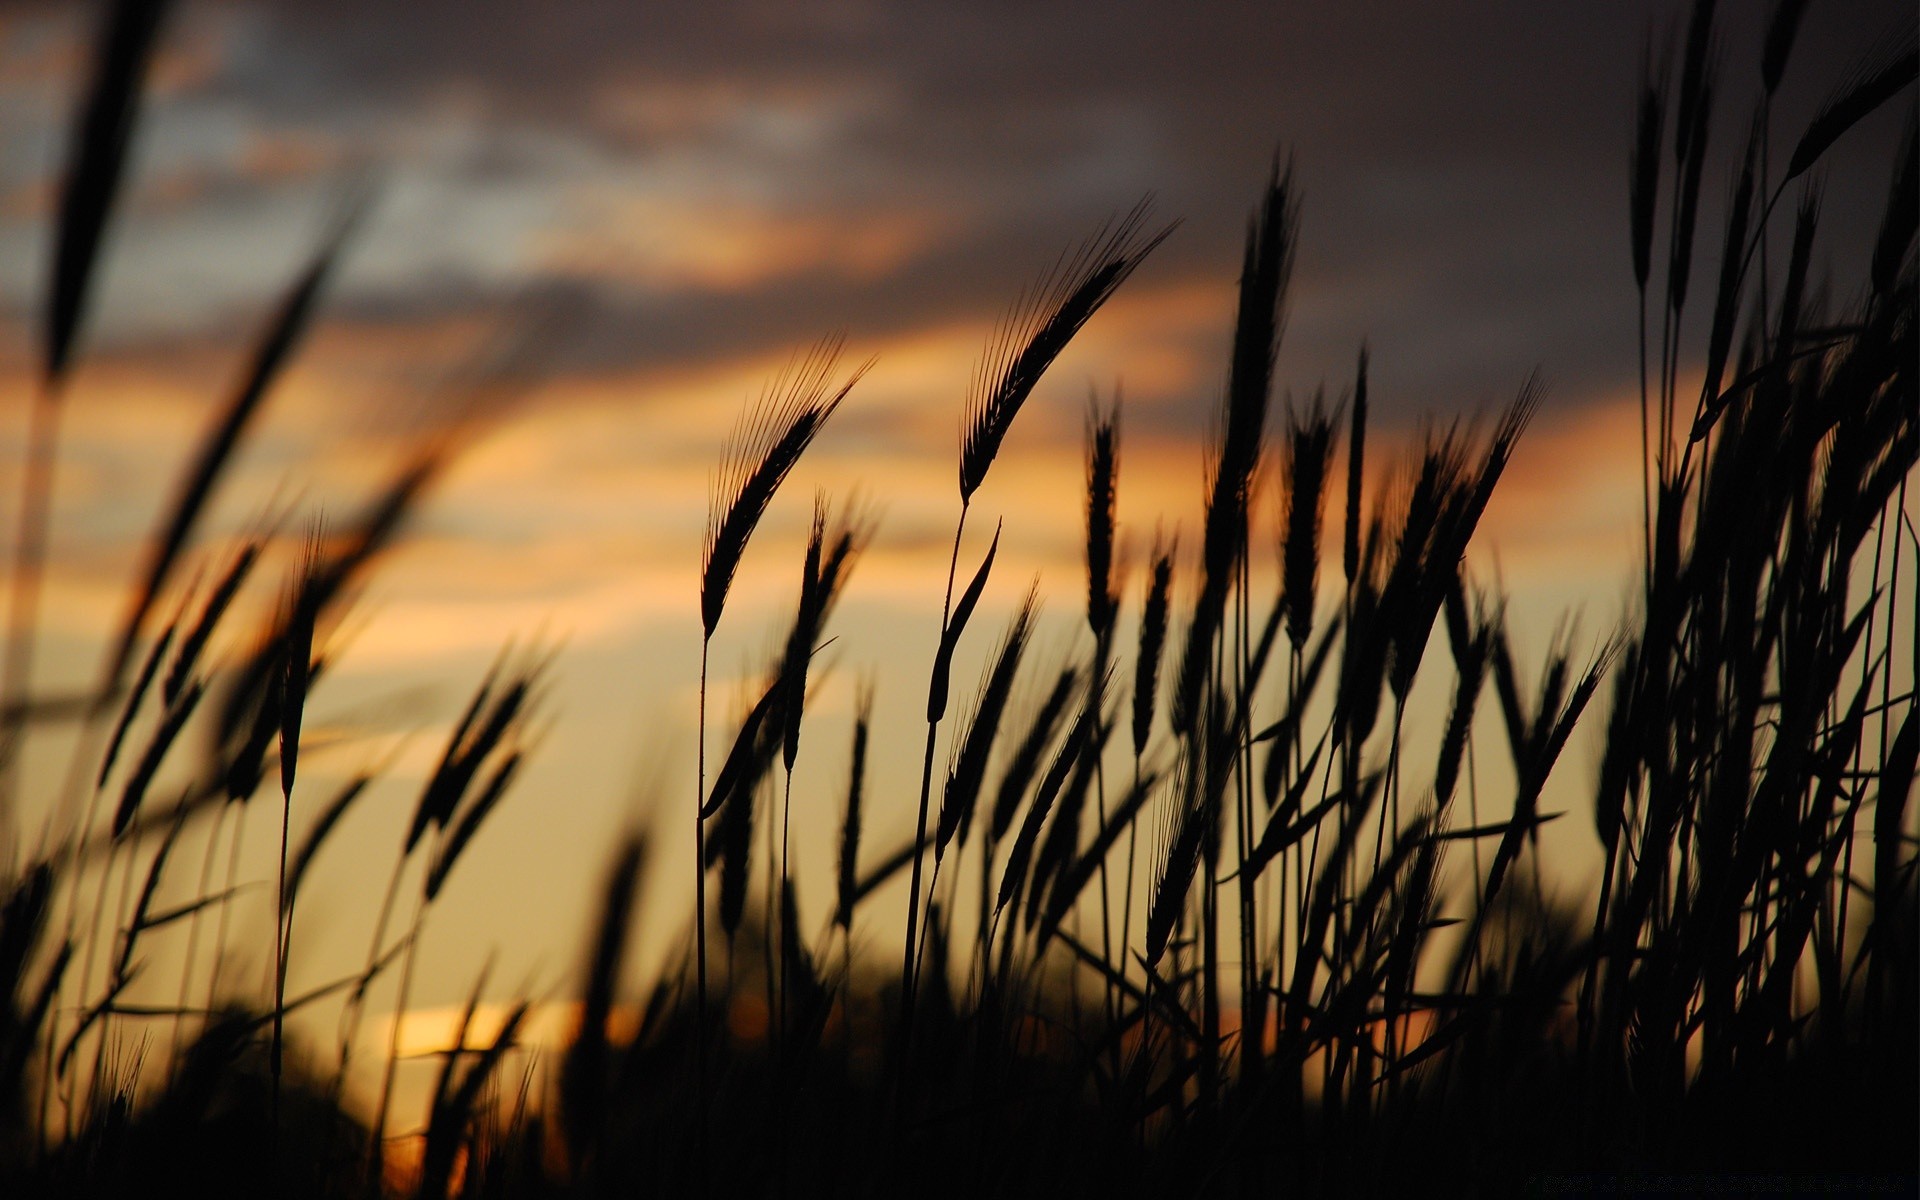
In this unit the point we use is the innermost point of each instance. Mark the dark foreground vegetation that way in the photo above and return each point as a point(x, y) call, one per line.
point(1346, 976)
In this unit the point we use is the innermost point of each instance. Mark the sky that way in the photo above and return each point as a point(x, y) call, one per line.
point(644, 210)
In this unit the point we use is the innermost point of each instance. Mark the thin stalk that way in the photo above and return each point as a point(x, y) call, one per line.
point(220, 926)
point(1126, 898)
point(356, 1000)
point(1646, 466)
point(769, 952)
point(786, 812)
point(1250, 1047)
point(1390, 813)
point(376, 1153)
point(282, 950)
point(908, 979)
point(700, 915)
point(1102, 651)
point(986, 905)
point(72, 872)
point(1280, 910)
point(94, 936)
point(29, 570)
point(1209, 912)
point(193, 939)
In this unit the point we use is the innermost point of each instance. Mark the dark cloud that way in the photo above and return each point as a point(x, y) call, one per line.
point(1462, 166)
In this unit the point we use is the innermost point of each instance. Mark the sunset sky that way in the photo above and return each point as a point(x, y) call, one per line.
point(647, 209)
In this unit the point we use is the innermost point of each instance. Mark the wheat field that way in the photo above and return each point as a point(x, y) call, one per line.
point(1225, 870)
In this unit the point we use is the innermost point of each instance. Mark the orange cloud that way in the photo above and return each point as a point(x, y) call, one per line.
point(696, 243)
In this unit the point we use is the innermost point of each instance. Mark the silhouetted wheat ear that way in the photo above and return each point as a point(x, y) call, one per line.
point(1898, 225)
point(142, 682)
point(248, 715)
point(732, 844)
point(1063, 833)
point(1103, 470)
point(218, 601)
point(1153, 638)
point(1726, 296)
point(470, 821)
point(1891, 68)
point(1173, 874)
point(850, 827)
point(799, 974)
point(1363, 649)
point(749, 757)
point(847, 537)
point(1266, 269)
point(806, 631)
point(302, 616)
point(1799, 260)
point(1072, 880)
point(1045, 318)
point(1643, 166)
point(1309, 446)
point(1025, 762)
point(1021, 856)
point(482, 730)
point(1286, 824)
point(1356, 471)
point(1686, 218)
point(1506, 435)
point(26, 900)
point(101, 140)
point(303, 599)
point(164, 737)
point(1448, 500)
point(982, 727)
point(1285, 733)
point(764, 446)
point(1781, 30)
point(1470, 658)
point(1696, 82)
point(428, 810)
point(278, 342)
point(100, 144)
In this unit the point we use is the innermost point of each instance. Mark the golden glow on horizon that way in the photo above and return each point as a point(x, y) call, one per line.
point(583, 510)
